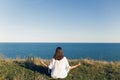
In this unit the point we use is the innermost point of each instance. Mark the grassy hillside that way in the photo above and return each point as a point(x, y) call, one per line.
point(31, 69)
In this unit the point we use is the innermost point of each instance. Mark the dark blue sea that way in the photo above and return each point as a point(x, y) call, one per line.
point(97, 51)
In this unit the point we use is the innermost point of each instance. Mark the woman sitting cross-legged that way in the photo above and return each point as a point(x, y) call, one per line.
point(59, 65)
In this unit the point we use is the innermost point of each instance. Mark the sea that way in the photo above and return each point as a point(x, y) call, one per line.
point(96, 51)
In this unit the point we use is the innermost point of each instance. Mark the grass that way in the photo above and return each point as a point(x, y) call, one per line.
point(31, 69)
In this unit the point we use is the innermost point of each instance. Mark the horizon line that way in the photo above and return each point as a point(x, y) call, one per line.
point(53, 42)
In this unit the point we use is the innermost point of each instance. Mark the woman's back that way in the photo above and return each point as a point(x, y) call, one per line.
point(59, 68)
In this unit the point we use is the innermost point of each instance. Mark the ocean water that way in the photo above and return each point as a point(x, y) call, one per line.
point(97, 51)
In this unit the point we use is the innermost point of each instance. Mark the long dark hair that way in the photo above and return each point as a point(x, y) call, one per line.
point(58, 54)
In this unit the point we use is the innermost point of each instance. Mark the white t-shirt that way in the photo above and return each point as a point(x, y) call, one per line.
point(59, 68)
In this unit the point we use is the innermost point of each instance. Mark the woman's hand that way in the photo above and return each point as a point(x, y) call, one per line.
point(42, 62)
point(75, 66)
point(79, 64)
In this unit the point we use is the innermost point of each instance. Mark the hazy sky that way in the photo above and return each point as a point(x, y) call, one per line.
point(59, 20)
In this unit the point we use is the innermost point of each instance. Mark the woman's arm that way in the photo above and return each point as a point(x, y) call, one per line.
point(75, 66)
point(44, 64)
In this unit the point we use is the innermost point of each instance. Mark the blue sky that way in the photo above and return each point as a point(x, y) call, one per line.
point(59, 21)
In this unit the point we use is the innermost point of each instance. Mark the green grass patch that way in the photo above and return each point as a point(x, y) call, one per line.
point(33, 70)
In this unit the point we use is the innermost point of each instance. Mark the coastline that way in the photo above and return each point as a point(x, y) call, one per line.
point(96, 51)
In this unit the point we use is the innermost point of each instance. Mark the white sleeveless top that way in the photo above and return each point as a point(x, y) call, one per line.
point(59, 68)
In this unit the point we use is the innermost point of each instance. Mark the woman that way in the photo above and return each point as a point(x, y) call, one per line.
point(59, 65)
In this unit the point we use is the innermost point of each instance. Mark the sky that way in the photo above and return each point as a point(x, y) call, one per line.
point(59, 21)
